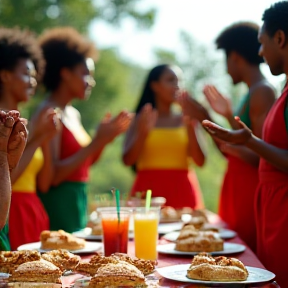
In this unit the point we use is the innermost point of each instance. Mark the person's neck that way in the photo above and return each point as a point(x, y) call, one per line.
point(59, 98)
point(8, 102)
point(252, 75)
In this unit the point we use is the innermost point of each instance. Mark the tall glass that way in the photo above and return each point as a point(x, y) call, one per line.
point(146, 232)
point(115, 231)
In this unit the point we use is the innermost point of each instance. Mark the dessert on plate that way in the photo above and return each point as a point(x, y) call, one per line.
point(41, 271)
point(118, 274)
point(10, 260)
point(169, 213)
point(60, 240)
point(61, 258)
point(208, 268)
point(192, 240)
point(97, 261)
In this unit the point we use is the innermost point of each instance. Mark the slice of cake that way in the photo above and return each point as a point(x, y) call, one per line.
point(40, 271)
point(205, 267)
point(10, 260)
point(119, 274)
point(61, 258)
point(192, 240)
point(60, 240)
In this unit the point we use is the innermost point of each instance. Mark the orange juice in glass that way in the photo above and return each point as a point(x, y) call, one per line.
point(146, 232)
point(115, 232)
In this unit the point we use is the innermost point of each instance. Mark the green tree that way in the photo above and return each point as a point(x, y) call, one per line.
point(38, 15)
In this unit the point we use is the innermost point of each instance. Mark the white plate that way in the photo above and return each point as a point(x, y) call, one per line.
point(229, 248)
point(223, 233)
point(164, 228)
point(89, 248)
point(86, 234)
point(178, 273)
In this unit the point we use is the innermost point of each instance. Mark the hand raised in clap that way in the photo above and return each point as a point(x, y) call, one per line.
point(13, 136)
point(217, 101)
point(240, 136)
point(146, 119)
point(109, 127)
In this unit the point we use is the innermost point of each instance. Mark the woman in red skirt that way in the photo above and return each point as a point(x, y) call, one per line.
point(241, 45)
point(272, 193)
point(161, 145)
point(20, 58)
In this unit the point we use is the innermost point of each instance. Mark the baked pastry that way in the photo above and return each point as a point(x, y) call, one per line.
point(169, 213)
point(37, 271)
point(205, 267)
point(60, 240)
point(61, 258)
point(192, 240)
point(91, 267)
point(197, 221)
point(10, 260)
point(119, 274)
point(96, 229)
point(145, 266)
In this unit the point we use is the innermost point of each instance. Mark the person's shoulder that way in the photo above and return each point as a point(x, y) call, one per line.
point(263, 90)
point(72, 111)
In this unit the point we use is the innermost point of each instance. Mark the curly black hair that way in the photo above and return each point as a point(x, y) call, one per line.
point(16, 44)
point(276, 18)
point(63, 47)
point(241, 37)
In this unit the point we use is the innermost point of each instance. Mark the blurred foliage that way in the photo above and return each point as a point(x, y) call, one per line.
point(119, 83)
point(38, 15)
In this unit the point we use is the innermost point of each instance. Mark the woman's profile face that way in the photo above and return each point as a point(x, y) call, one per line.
point(80, 81)
point(22, 81)
point(166, 88)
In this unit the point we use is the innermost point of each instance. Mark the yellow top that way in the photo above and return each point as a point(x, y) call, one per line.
point(165, 148)
point(27, 180)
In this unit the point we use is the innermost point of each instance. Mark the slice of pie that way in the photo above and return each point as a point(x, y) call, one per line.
point(40, 271)
point(205, 267)
point(61, 258)
point(191, 240)
point(10, 260)
point(60, 240)
point(91, 267)
point(145, 266)
point(119, 274)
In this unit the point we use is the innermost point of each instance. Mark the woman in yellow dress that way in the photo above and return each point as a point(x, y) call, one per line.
point(161, 143)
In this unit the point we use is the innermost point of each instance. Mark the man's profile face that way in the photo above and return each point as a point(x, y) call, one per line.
point(269, 50)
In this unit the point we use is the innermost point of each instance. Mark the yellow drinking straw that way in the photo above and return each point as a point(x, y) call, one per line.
point(148, 200)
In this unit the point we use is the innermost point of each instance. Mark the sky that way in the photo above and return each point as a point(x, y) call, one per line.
point(202, 19)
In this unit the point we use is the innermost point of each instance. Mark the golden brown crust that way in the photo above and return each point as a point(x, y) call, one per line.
point(36, 271)
point(97, 261)
point(61, 258)
point(10, 260)
point(205, 267)
point(145, 266)
point(169, 213)
point(119, 274)
point(96, 229)
point(192, 240)
point(60, 240)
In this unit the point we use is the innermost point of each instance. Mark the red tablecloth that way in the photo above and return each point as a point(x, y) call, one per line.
point(247, 257)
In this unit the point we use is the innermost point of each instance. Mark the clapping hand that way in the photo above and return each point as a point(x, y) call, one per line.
point(191, 108)
point(217, 101)
point(240, 136)
point(146, 119)
point(109, 127)
point(13, 136)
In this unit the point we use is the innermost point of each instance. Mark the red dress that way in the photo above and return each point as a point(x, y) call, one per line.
point(272, 198)
point(236, 205)
point(163, 167)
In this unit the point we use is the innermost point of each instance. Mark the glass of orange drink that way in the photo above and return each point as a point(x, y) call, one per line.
point(146, 232)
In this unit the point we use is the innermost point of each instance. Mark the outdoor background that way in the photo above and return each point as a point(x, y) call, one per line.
point(133, 36)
